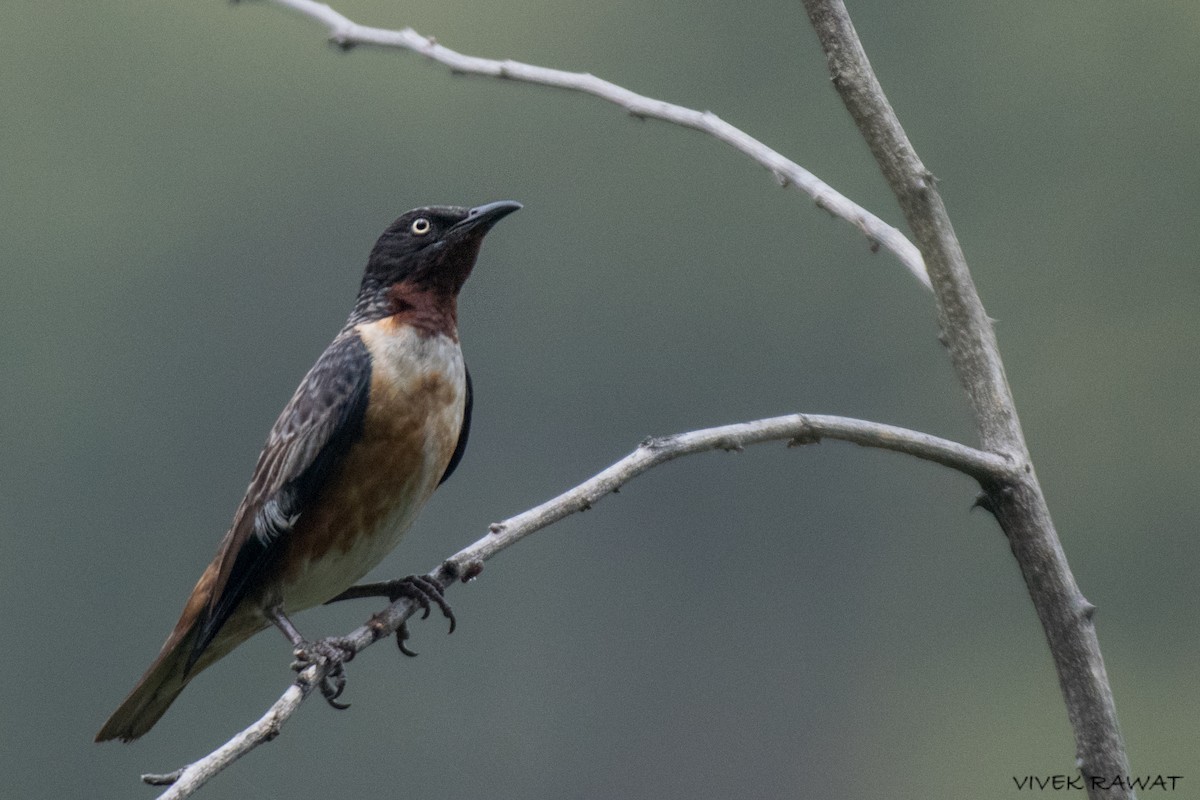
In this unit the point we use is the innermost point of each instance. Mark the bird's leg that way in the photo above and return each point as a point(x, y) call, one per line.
point(421, 589)
point(334, 651)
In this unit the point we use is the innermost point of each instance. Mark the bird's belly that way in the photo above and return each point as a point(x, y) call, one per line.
point(410, 430)
point(326, 572)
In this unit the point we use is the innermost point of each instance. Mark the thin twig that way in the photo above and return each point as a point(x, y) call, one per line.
point(186, 781)
point(1019, 507)
point(346, 33)
point(795, 429)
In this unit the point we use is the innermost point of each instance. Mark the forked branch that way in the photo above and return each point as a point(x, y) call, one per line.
point(1013, 492)
point(795, 429)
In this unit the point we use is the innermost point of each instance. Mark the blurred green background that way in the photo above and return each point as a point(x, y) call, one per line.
point(189, 194)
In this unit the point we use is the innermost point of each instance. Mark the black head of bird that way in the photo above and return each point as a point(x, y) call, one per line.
point(433, 248)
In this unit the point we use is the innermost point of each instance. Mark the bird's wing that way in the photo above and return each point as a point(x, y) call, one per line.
point(305, 448)
point(461, 446)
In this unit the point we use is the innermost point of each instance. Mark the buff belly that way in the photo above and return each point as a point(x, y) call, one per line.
point(412, 425)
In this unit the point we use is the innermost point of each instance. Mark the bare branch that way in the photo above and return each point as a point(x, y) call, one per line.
point(1019, 506)
point(795, 429)
point(186, 781)
point(346, 33)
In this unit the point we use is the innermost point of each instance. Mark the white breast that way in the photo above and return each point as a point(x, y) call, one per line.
point(410, 431)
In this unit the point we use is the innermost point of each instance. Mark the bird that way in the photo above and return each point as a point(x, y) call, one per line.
point(375, 426)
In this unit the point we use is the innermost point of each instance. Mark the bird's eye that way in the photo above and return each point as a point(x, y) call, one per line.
point(420, 226)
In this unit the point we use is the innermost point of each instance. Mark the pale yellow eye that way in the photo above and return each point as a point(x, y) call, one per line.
point(420, 226)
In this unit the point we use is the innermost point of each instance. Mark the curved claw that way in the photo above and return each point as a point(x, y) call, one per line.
point(332, 686)
point(335, 683)
point(420, 589)
point(424, 592)
point(431, 592)
point(401, 638)
point(334, 652)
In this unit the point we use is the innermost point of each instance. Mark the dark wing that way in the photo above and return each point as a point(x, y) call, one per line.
point(305, 448)
point(464, 432)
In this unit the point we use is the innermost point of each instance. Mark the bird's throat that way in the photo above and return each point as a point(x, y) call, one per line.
point(429, 311)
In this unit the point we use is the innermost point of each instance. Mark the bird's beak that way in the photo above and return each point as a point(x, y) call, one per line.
point(481, 218)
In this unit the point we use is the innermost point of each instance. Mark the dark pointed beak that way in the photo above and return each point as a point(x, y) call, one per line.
point(482, 218)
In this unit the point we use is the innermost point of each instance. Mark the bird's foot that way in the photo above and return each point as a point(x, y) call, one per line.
point(421, 589)
point(425, 593)
point(332, 652)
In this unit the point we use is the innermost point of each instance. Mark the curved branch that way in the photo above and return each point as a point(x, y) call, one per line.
point(346, 33)
point(186, 781)
point(795, 429)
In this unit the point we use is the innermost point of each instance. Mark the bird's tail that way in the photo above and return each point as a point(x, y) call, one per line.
point(155, 692)
point(171, 672)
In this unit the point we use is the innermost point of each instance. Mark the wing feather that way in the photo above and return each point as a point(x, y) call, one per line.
point(303, 451)
point(460, 446)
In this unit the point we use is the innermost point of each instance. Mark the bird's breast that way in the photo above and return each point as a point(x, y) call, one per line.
point(410, 429)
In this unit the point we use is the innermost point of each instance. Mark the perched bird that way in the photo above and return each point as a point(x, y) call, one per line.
point(375, 426)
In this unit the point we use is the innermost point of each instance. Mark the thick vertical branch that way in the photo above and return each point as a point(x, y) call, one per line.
point(966, 330)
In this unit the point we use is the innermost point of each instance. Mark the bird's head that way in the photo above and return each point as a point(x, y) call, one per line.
point(432, 249)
